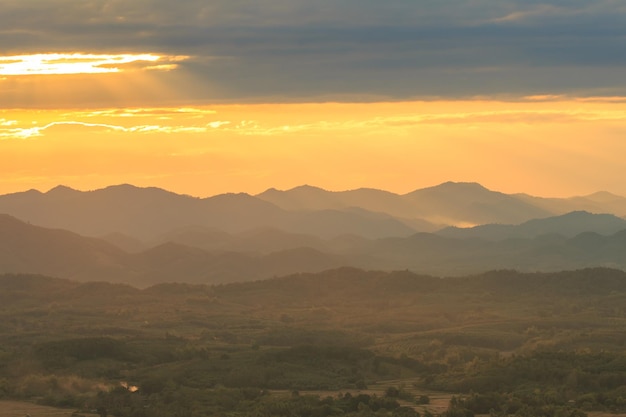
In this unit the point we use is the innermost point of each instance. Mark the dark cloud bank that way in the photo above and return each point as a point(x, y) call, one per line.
point(358, 49)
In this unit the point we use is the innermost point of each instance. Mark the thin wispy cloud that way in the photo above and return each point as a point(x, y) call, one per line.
point(38, 131)
point(536, 11)
point(144, 112)
point(5, 122)
point(202, 121)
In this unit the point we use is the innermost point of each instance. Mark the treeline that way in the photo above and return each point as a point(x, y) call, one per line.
point(548, 383)
point(543, 383)
point(186, 402)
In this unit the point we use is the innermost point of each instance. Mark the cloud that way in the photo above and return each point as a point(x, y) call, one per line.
point(36, 131)
point(163, 113)
point(534, 12)
point(297, 50)
point(25, 133)
point(217, 124)
point(347, 119)
point(81, 63)
point(389, 123)
point(5, 122)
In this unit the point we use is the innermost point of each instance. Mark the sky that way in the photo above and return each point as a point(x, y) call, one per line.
point(206, 97)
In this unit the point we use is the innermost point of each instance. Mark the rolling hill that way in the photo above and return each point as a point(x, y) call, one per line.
point(125, 212)
point(568, 225)
point(26, 248)
point(144, 236)
point(146, 213)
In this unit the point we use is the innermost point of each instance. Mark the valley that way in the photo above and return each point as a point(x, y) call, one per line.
point(146, 236)
point(274, 305)
point(505, 339)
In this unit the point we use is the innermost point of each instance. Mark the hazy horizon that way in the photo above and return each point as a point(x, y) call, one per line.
point(313, 186)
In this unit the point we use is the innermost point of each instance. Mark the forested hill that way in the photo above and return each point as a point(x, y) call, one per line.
point(336, 286)
point(26, 248)
point(545, 344)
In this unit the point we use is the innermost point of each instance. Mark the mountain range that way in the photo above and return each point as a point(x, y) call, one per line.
point(61, 253)
point(569, 225)
point(149, 213)
point(146, 213)
point(145, 236)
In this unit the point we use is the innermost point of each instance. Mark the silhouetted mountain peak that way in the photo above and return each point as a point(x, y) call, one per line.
point(603, 197)
point(118, 190)
point(300, 190)
point(579, 216)
point(569, 224)
point(469, 203)
point(576, 214)
point(31, 192)
point(452, 187)
point(132, 191)
point(62, 190)
point(233, 196)
point(126, 188)
point(462, 185)
point(367, 190)
point(304, 197)
point(308, 188)
point(238, 199)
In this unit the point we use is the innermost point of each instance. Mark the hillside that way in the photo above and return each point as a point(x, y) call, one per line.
point(471, 203)
point(310, 341)
point(568, 225)
point(25, 248)
point(209, 256)
point(148, 214)
point(34, 249)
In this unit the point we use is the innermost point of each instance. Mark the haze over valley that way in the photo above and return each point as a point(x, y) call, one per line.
point(144, 236)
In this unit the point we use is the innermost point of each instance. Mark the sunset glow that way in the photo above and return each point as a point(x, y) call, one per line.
point(206, 99)
point(80, 63)
point(206, 150)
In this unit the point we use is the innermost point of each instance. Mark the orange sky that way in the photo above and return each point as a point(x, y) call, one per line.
point(542, 146)
point(210, 97)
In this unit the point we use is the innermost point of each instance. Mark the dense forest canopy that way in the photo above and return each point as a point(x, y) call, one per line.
point(341, 342)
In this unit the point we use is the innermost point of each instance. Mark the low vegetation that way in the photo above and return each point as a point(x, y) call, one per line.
point(340, 343)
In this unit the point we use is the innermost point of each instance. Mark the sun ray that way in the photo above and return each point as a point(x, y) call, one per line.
point(83, 63)
point(87, 80)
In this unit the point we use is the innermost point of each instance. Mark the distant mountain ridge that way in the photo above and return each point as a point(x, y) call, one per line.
point(146, 213)
point(471, 203)
point(449, 203)
point(150, 235)
point(568, 225)
point(25, 248)
point(445, 204)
